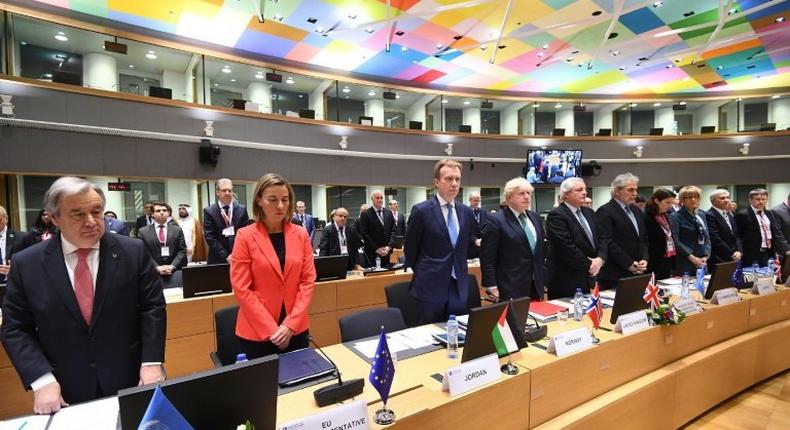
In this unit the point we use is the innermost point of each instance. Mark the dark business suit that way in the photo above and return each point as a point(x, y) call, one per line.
point(116, 226)
point(657, 263)
point(375, 234)
point(506, 259)
point(142, 221)
point(400, 224)
point(330, 243)
point(570, 251)
point(174, 240)
point(219, 245)
point(626, 245)
point(481, 217)
point(430, 254)
point(13, 241)
point(724, 241)
point(44, 331)
point(749, 229)
point(308, 222)
point(685, 231)
point(782, 217)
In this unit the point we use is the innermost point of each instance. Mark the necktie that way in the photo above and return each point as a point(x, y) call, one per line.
point(452, 229)
point(585, 226)
point(477, 214)
point(225, 209)
point(381, 216)
point(342, 237)
point(764, 228)
point(2, 249)
point(83, 284)
point(522, 218)
point(162, 235)
point(632, 217)
point(728, 220)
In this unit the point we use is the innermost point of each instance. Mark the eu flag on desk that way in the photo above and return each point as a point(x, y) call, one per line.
point(699, 285)
point(383, 370)
point(738, 280)
point(162, 414)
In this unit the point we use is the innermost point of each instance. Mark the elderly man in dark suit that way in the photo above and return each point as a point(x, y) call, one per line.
point(221, 221)
point(9, 240)
point(577, 246)
point(166, 244)
point(338, 239)
point(438, 236)
point(782, 217)
point(762, 239)
point(377, 228)
point(512, 247)
point(724, 239)
point(624, 223)
point(84, 314)
point(480, 216)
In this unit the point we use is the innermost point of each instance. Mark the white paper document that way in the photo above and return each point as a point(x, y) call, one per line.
point(99, 414)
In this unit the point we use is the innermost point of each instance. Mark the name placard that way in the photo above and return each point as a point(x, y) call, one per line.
point(351, 416)
point(472, 374)
point(570, 341)
point(688, 306)
point(632, 323)
point(763, 288)
point(725, 297)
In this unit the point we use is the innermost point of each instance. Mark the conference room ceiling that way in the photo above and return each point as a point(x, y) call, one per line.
point(562, 47)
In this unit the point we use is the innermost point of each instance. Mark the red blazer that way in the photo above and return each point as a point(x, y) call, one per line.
point(261, 287)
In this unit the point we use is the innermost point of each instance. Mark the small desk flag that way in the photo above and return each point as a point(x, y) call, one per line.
point(699, 285)
point(383, 370)
point(162, 414)
point(651, 293)
point(595, 308)
point(502, 335)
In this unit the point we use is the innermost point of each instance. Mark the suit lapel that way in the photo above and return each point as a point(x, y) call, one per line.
point(439, 219)
point(536, 223)
point(265, 246)
point(55, 270)
point(624, 216)
point(515, 225)
point(109, 256)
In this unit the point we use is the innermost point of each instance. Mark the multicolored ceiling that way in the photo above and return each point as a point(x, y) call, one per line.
point(585, 47)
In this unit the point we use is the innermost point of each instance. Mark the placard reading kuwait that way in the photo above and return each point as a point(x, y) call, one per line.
point(570, 341)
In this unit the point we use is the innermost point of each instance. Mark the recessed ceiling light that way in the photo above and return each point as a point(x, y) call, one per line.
point(776, 96)
point(371, 93)
point(719, 67)
point(536, 105)
point(414, 61)
point(226, 69)
point(540, 54)
point(779, 20)
point(289, 81)
point(397, 96)
point(369, 29)
point(23, 43)
point(658, 4)
point(634, 105)
point(47, 76)
point(216, 85)
point(445, 101)
point(233, 80)
point(61, 36)
point(439, 46)
point(404, 49)
point(466, 102)
point(656, 104)
point(151, 55)
point(300, 96)
point(346, 90)
point(682, 103)
point(259, 75)
point(131, 66)
point(614, 52)
point(558, 105)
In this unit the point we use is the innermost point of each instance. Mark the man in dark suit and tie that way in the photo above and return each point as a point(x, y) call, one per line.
point(512, 248)
point(377, 228)
point(621, 220)
point(782, 217)
point(760, 235)
point(303, 219)
point(438, 236)
point(480, 217)
point(337, 239)
point(166, 244)
point(9, 239)
point(84, 314)
point(221, 221)
point(397, 215)
point(146, 218)
point(724, 238)
point(577, 246)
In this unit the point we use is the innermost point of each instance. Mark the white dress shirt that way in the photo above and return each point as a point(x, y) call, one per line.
point(445, 210)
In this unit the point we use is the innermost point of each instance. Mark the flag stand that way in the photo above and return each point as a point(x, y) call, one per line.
point(509, 368)
point(385, 416)
point(595, 339)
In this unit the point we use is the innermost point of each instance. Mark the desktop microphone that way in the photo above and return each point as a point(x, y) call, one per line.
point(536, 333)
point(336, 392)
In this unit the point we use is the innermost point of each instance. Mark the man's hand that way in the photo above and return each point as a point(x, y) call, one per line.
point(478, 242)
point(164, 270)
point(151, 373)
point(641, 265)
point(47, 399)
point(4, 268)
point(595, 265)
point(281, 337)
point(492, 294)
point(736, 256)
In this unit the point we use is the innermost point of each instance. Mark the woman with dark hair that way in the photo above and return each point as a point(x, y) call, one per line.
point(272, 274)
point(660, 244)
point(43, 229)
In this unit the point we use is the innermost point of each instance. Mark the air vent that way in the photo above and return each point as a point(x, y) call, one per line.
point(689, 13)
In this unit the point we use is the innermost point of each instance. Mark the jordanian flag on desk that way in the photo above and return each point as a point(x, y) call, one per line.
point(502, 335)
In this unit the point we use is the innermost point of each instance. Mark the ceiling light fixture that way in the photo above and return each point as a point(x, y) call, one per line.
point(259, 75)
point(779, 20)
point(540, 54)
point(404, 49)
point(656, 104)
point(369, 29)
point(558, 105)
point(151, 55)
point(775, 96)
point(371, 93)
point(346, 90)
point(131, 66)
point(658, 4)
point(61, 36)
point(445, 101)
point(682, 103)
point(614, 52)
point(289, 81)
point(633, 105)
point(226, 69)
point(233, 80)
point(536, 105)
point(466, 102)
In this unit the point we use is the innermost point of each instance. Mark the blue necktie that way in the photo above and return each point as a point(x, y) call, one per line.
point(522, 218)
point(452, 229)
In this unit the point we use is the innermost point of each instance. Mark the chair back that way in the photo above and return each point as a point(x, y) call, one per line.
point(473, 294)
point(227, 343)
point(398, 297)
point(368, 323)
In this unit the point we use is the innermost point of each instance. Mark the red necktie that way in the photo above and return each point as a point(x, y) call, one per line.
point(83, 284)
point(162, 234)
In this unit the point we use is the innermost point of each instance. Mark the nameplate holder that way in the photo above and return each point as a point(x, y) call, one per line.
point(688, 306)
point(570, 341)
point(763, 288)
point(351, 416)
point(472, 374)
point(632, 323)
point(725, 297)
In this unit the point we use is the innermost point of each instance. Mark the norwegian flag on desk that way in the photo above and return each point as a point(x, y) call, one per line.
point(383, 370)
point(778, 268)
point(651, 293)
point(595, 308)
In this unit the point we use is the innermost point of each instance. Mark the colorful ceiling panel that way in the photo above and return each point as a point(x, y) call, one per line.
point(585, 47)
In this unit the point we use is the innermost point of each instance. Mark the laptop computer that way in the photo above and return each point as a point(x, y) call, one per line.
point(330, 267)
point(302, 365)
point(206, 279)
point(220, 398)
point(721, 278)
point(398, 242)
point(630, 296)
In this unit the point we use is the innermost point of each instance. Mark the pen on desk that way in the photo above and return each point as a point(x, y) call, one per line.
point(23, 425)
point(49, 421)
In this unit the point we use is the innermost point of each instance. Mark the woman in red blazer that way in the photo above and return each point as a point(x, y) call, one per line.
point(272, 274)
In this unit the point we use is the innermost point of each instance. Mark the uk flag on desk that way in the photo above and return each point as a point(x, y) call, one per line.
point(383, 370)
point(651, 293)
point(595, 308)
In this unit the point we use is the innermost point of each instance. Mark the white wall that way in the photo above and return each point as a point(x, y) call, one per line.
point(564, 119)
point(318, 201)
point(416, 111)
point(468, 191)
point(414, 195)
point(665, 118)
point(316, 98)
point(508, 118)
point(176, 82)
point(100, 71)
point(777, 193)
point(600, 195)
point(732, 119)
point(602, 117)
point(707, 114)
point(471, 116)
point(779, 113)
point(375, 108)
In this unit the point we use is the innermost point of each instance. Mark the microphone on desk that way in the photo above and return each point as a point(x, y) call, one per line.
point(342, 390)
point(536, 333)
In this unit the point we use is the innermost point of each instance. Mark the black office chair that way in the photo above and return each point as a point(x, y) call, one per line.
point(227, 343)
point(368, 323)
point(398, 297)
point(473, 295)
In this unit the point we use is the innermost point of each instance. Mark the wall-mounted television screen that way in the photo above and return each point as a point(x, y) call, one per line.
point(552, 166)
